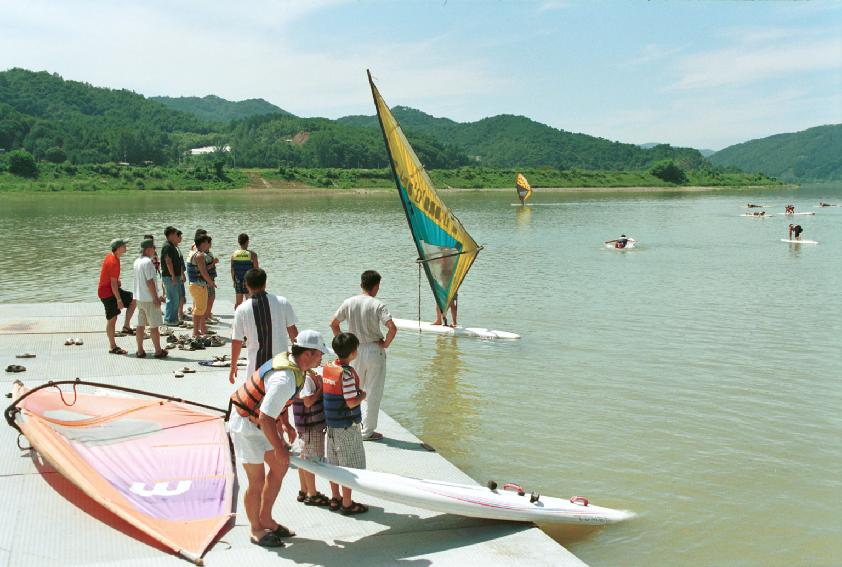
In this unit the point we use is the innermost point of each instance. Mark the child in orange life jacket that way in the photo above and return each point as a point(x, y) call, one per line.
point(309, 415)
point(341, 399)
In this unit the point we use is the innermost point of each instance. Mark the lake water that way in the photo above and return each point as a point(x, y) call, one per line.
point(695, 380)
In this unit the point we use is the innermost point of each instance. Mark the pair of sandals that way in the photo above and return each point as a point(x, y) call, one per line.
point(274, 537)
point(182, 371)
point(162, 354)
point(335, 504)
point(70, 341)
point(125, 331)
point(15, 368)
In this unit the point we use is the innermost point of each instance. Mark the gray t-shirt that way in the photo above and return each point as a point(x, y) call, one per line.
point(364, 315)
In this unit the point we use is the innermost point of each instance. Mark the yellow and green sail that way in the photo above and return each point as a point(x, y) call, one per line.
point(524, 190)
point(445, 249)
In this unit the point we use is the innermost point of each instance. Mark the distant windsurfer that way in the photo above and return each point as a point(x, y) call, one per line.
point(795, 230)
point(753, 206)
point(621, 242)
point(759, 214)
point(823, 204)
point(789, 209)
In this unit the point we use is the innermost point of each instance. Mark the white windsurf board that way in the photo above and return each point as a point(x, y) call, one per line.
point(799, 241)
point(478, 332)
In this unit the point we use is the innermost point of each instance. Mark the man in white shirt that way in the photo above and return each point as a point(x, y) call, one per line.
point(365, 315)
point(148, 300)
point(266, 320)
point(257, 426)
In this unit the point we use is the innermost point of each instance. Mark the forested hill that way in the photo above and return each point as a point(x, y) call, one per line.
point(49, 116)
point(814, 154)
point(517, 141)
point(212, 108)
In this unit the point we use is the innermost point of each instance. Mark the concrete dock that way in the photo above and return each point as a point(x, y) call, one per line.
point(46, 521)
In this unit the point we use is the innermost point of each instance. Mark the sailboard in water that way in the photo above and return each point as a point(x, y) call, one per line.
point(162, 465)
point(524, 190)
point(466, 499)
point(445, 249)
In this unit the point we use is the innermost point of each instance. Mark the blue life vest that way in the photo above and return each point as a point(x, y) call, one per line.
point(308, 417)
point(241, 263)
point(337, 412)
point(193, 273)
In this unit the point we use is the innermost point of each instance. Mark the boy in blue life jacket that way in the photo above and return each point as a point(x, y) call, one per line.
point(309, 415)
point(341, 399)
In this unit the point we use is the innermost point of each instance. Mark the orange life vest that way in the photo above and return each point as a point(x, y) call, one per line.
point(248, 397)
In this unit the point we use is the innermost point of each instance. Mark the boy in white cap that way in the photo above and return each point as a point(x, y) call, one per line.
point(258, 421)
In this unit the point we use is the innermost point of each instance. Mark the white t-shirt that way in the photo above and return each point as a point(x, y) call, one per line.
point(144, 270)
point(282, 317)
point(309, 388)
point(280, 388)
point(364, 315)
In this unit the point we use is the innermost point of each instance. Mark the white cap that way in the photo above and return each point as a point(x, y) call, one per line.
point(311, 339)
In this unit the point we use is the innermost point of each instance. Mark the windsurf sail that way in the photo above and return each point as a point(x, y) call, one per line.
point(524, 190)
point(445, 249)
point(163, 465)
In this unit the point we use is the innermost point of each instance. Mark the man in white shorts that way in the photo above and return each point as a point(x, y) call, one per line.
point(365, 314)
point(257, 423)
point(266, 320)
point(148, 300)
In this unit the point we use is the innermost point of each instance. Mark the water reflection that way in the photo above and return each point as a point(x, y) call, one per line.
point(445, 401)
point(523, 216)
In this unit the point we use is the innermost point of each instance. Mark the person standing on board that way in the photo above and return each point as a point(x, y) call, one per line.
point(148, 301)
point(266, 320)
point(454, 309)
point(114, 298)
point(172, 274)
point(365, 314)
point(795, 230)
point(256, 425)
point(242, 261)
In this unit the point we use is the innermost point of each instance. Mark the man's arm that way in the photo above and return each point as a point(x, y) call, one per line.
point(334, 326)
point(269, 427)
point(153, 290)
point(233, 274)
point(292, 331)
point(254, 260)
point(236, 347)
point(392, 330)
point(170, 268)
point(115, 289)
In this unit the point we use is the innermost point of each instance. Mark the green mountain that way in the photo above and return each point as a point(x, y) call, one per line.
point(49, 116)
point(814, 154)
point(212, 108)
point(517, 141)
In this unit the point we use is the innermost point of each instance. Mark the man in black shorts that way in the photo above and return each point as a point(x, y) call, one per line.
point(114, 298)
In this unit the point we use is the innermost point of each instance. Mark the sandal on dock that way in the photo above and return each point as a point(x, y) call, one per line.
point(128, 331)
point(118, 350)
point(318, 499)
point(354, 508)
point(335, 504)
point(269, 539)
point(15, 368)
point(282, 531)
point(302, 496)
point(162, 354)
point(25, 355)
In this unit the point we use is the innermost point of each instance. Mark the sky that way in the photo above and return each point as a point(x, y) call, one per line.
point(703, 74)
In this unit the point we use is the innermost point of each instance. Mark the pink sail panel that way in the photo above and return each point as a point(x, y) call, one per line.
point(163, 466)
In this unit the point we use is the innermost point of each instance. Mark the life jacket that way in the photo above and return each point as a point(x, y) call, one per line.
point(308, 417)
point(248, 397)
point(241, 263)
point(193, 273)
point(337, 412)
point(209, 257)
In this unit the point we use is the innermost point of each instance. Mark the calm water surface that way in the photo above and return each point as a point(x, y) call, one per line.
point(695, 380)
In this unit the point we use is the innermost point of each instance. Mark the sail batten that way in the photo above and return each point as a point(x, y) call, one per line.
point(445, 249)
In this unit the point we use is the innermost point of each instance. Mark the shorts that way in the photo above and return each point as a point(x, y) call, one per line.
point(240, 286)
point(314, 443)
point(199, 293)
point(344, 446)
point(250, 446)
point(110, 303)
point(149, 314)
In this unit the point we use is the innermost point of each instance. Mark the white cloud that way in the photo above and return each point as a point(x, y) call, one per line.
point(652, 53)
point(754, 61)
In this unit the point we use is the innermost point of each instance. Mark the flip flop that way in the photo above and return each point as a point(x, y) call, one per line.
point(78, 341)
point(187, 370)
point(69, 342)
point(118, 350)
point(178, 374)
point(376, 436)
point(283, 531)
point(269, 539)
point(25, 355)
point(162, 354)
point(15, 368)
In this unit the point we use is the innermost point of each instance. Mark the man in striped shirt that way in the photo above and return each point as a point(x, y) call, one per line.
point(263, 319)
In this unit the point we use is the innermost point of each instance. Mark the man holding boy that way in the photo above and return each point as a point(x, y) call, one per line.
point(257, 425)
point(264, 319)
point(114, 298)
point(341, 399)
point(365, 314)
point(148, 301)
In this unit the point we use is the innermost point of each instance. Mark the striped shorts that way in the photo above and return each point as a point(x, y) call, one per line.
point(314, 443)
point(344, 446)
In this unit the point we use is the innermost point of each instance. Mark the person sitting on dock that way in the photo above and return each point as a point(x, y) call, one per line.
point(266, 320)
point(365, 314)
point(342, 399)
point(114, 298)
point(242, 261)
point(148, 300)
point(256, 425)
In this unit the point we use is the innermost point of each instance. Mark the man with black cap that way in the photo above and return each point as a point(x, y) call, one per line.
point(113, 297)
point(172, 274)
point(148, 299)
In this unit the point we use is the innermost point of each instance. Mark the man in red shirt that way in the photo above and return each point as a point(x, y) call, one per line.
point(113, 297)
